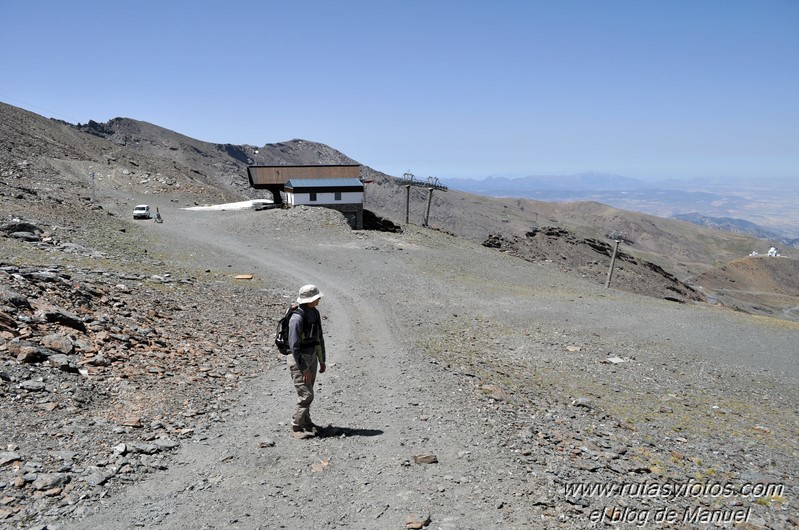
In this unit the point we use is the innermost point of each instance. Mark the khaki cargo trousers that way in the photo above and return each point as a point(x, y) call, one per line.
point(301, 420)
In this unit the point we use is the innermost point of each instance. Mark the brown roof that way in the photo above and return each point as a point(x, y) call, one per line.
point(263, 176)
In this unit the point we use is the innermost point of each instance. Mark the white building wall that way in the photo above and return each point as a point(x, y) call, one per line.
point(347, 197)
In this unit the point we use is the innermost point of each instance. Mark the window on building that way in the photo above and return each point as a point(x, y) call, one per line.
point(337, 195)
point(313, 196)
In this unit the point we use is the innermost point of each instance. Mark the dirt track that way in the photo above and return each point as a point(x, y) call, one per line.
point(484, 360)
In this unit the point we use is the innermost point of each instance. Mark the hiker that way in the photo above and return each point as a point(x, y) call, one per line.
point(307, 355)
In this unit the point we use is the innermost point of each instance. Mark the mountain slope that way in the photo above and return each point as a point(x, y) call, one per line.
point(224, 164)
point(679, 247)
point(756, 284)
point(47, 161)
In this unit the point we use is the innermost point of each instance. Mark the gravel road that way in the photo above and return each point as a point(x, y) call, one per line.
point(518, 379)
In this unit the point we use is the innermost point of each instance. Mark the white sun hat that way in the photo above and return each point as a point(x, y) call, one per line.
point(309, 293)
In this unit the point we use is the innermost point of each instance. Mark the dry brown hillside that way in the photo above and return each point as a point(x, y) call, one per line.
point(756, 273)
point(660, 257)
point(756, 284)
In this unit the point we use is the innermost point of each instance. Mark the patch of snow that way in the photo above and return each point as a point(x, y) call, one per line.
point(243, 205)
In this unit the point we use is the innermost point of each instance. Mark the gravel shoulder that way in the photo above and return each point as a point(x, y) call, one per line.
point(496, 366)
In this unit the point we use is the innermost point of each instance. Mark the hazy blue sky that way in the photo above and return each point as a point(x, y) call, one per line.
point(646, 89)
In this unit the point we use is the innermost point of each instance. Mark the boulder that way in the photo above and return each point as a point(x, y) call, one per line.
point(25, 236)
point(9, 297)
point(28, 352)
point(19, 226)
point(58, 342)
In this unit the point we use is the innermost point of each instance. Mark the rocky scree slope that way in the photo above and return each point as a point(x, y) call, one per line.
point(107, 365)
point(223, 164)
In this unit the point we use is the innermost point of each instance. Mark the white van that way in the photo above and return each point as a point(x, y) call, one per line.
point(142, 211)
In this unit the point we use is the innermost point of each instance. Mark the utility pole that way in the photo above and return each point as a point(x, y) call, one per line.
point(407, 201)
point(612, 262)
point(94, 187)
point(429, 200)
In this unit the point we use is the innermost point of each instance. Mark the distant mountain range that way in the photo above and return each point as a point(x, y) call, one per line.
point(740, 226)
point(512, 187)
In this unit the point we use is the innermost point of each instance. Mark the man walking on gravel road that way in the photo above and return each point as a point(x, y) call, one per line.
point(307, 345)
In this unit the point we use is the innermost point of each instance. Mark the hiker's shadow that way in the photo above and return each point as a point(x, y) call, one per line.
point(332, 431)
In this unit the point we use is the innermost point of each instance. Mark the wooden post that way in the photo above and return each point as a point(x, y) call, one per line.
point(429, 200)
point(407, 201)
point(612, 263)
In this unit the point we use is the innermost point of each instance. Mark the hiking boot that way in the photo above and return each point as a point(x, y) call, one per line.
point(301, 435)
point(313, 428)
